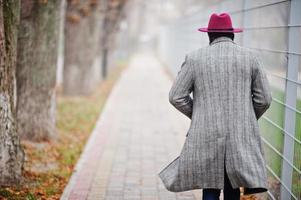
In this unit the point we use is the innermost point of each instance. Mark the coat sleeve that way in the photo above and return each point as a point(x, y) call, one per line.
point(261, 94)
point(179, 94)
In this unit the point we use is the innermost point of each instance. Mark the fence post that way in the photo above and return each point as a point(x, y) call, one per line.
point(291, 98)
point(245, 21)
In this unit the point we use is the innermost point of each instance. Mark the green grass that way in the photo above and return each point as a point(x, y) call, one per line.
point(30, 196)
point(275, 137)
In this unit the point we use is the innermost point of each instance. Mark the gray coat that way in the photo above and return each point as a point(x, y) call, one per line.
point(230, 93)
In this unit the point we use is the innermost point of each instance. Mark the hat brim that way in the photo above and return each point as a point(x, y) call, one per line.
point(234, 30)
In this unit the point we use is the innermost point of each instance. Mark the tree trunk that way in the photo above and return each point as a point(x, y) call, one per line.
point(11, 152)
point(110, 26)
point(81, 61)
point(36, 69)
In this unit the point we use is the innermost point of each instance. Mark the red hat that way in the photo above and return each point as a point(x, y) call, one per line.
point(220, 23)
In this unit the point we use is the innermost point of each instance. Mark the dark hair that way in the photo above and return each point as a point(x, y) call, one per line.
point(214, 35)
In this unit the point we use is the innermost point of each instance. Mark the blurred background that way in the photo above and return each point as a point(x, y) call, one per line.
point(87, 39)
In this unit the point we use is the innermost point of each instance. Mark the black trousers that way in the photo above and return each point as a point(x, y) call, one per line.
point(229, 192)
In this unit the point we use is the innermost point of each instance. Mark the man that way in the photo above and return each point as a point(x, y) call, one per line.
point(223, 148)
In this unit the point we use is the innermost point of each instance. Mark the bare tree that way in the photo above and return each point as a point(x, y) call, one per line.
point(12, 154)
point(36, 69)
point(113, 16)
point(89, 36)
point(81, 72)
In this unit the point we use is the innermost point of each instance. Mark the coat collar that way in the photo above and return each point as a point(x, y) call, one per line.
point(222, 39)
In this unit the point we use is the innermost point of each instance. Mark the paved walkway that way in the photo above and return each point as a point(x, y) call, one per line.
point(137, 134)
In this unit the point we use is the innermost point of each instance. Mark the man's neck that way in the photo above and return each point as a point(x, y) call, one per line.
point(219, 38)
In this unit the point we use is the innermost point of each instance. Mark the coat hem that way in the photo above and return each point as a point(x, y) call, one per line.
point(246, 190)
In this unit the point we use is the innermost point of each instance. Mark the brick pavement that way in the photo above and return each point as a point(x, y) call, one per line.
point(137, 134)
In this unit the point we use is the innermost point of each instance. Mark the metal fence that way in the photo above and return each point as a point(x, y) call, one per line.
point(272, 27)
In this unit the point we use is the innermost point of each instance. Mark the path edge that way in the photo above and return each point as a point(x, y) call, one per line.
point(72, 180)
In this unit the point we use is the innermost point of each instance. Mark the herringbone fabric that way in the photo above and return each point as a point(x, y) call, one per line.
point(230, 93)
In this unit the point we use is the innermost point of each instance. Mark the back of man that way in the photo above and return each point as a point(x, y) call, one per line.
point(223, 148)
point(223, 74)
